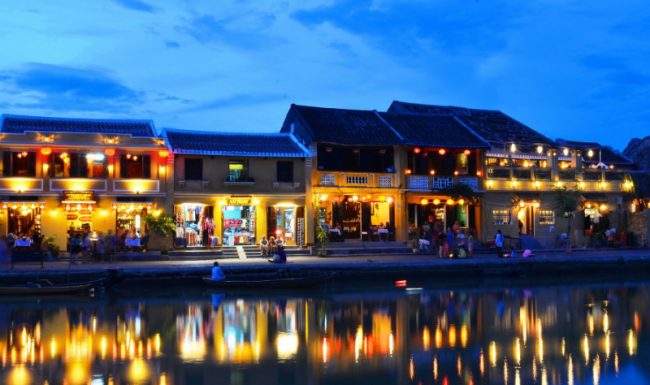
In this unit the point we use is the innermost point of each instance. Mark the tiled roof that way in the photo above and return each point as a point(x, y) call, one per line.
point(607, 154)
point(358, 127)
point(493, 126)
point(16, 124)
point(434, 131)
point(235, 144)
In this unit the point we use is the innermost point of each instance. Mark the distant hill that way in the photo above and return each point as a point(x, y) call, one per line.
point(639, 151)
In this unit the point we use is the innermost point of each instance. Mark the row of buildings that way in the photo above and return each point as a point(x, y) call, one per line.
point(358, 170)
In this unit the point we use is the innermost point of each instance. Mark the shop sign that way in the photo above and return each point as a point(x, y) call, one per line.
point(86, 218)
point(78, 197)
point(71, 217)
point(239, 201)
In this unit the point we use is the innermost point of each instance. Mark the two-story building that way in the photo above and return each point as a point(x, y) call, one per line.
point(235, 188)
point(62, 176)
point(522, 170)
point(354, 183)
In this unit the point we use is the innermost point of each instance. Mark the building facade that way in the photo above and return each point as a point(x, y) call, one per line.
point(62, 177)
point(233, 189)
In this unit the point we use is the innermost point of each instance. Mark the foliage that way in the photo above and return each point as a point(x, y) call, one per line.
point(461, 190)
point(50, 244)
point(162, 224)
point(322, 238)
point(566, 201)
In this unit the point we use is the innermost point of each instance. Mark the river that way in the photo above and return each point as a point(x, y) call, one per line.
point(384, 333)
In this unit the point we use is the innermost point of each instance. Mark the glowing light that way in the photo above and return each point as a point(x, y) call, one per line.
point(257, 201)
point(435, 368)
point(452, 335)
point(325, 350)
point(77, 373)
point(442, 151)
point(138, 371)
point(438, 337)
point(565, 151)
point(389, 199)
point(424, 201)
point(590, 153)
point(540, 149)
point(461, 201)
point(603, 185)
point(163, 153)
point(493, 354)
point(46, 151)
point(595, 370)
point(432, 172)
point(513, 147)
point(20, 376)
point(467, 152)
point(631, 342)
point(95, 156)
point(450, 202)
point(514, 183)
point(426, 338)
point(585, 348)
point(436, 201)
point(464, 335)
point(407, 171)
point(581, 185)
point(411, 368)
point(517, 351)
point(603, 207)
point(479, 173)
point(355, 198)
point(490, 183)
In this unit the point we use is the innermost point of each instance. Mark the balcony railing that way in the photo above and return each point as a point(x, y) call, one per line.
point(355, 179)
point(543, 185)
point(423, 182)
point(137, 186)
point(20, 184)
point(87, 184)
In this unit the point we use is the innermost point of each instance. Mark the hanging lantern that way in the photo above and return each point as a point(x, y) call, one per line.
point(109, 151)
point(442, 151)
point(467, 152)
point(163, 153)
point(436, 201)
point(513, 147)
point(424, 201)
point(416, 150)
point(540, 149)
point(46, 151)
point(450, 202)
point(590, 153)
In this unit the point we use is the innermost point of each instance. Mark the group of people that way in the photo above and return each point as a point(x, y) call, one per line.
point(273, 249)
point(456, 242)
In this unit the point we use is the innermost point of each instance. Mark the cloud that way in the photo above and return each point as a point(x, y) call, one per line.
point(135, 5)
point(172, 44)
point(244, 31)
point(53, 87)
point(237, 100)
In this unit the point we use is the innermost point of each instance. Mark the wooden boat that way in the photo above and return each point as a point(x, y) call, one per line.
point(45, 287)
point(285, 282)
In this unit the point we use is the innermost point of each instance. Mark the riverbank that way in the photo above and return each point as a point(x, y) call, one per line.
point(551, 265)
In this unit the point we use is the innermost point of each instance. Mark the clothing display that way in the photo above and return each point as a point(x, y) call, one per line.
point(194, 224)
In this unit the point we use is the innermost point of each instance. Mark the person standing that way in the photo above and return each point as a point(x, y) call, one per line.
point(498, 242)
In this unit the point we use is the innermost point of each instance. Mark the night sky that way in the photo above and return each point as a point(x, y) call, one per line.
point(572, 69)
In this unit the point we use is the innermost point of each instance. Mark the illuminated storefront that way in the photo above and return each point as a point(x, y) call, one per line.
point(239, 220)
point(194, 225)
point(367, 217)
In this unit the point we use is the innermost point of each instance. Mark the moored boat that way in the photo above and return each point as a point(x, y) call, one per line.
point(45, 287)
point(281, 282)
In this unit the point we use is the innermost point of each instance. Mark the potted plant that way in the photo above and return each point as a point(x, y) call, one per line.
point(163, 226)
point(322, 238)
point(51, 246)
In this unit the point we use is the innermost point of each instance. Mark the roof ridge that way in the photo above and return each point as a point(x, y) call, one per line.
point(396, 132)
point(227, 133)
point(76, 119)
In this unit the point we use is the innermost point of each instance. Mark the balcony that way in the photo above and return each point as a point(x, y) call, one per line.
point(239, 181)
point(286, 186)
point(424, 182)
point(20, 184)
point(192, 185)
point(78, 184)
point(543, 185)
point(355, 179)
point(137, 186)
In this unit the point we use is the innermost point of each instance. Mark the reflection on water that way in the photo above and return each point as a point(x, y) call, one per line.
point(544, 336)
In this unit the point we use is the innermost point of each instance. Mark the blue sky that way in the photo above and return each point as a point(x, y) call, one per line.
point(570, 69)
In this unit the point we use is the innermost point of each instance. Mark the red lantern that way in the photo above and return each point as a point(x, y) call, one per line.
point(109, 151)
point(163, 153)
point(46, 151)
point(416, 150)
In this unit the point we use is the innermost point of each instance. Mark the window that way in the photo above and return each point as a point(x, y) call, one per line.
point(135, 166)
point(501, 217)
point(19, 163)
point(194, 169)
point(77, 165)
point(546, 217)
point(284, 171)
point(238, 171)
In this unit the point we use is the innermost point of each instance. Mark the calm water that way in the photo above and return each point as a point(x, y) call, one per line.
point(383, 335)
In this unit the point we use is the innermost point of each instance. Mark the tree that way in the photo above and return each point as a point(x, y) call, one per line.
point(566, 204)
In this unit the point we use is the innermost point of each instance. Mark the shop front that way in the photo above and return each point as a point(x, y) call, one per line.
point(23, 218)
point(441, 211)
point(286, 221)
point(358, 217)
point(238, 217)
point(195, 225)
point(130, 217)
point(78, 212)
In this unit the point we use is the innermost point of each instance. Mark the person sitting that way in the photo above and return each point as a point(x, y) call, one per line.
point(217, 273)
point(264, 247)
point(280, 255)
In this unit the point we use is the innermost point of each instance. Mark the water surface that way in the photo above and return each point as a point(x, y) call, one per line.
point(578, 334)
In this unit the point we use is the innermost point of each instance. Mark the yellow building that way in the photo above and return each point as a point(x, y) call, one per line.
point(233, 189)
point(62, 177)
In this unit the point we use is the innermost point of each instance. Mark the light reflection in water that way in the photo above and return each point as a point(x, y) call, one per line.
point(477, 338)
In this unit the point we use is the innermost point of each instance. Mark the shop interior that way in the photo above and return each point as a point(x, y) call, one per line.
point(441, 211)
point(238, 225)
point(365, 217)
point(130, 218)
point(23, 218)
point(194, 225)
point(79, 217)
point(282, 222)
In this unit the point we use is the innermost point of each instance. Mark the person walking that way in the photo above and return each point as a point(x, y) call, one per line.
point(498, 243)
